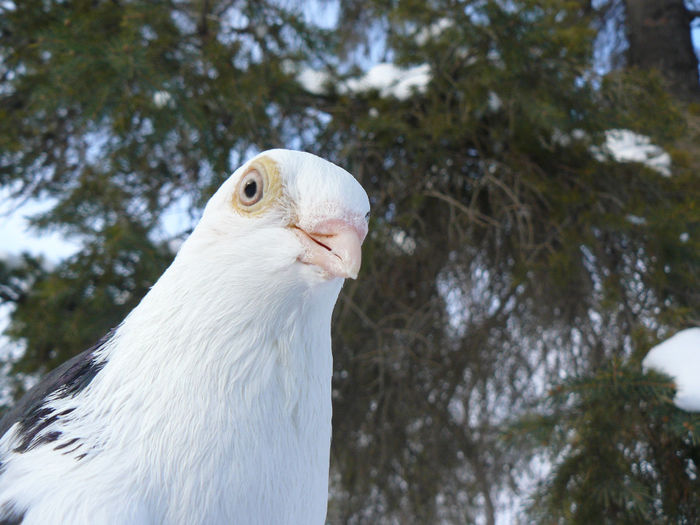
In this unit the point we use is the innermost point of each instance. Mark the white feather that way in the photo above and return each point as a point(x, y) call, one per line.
point(214, 403)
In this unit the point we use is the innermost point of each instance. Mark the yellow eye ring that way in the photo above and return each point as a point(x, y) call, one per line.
point(259, 186)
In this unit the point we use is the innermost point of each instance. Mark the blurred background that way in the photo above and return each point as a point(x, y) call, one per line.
point(534, 174)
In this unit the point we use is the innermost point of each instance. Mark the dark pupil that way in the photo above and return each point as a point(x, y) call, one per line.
point(250, 189)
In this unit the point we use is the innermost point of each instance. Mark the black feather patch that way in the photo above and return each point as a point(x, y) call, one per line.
point(9, 515)
point(31, 411)
point(66, 444)
point(80, 375)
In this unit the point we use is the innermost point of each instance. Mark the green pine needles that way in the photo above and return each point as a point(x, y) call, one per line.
point(621, 451)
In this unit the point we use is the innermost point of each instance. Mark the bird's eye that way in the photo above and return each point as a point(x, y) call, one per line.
point(367, 217)
point(250, 189)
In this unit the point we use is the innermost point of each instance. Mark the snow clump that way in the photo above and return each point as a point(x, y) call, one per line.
point(679, 357)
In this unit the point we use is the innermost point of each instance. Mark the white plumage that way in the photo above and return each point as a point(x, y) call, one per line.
point(211, 402)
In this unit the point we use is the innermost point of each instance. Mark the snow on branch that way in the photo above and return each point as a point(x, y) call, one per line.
point(389, 79)
point(316, 82)
point(624, 145)
point(433, 31)
point(679, 357)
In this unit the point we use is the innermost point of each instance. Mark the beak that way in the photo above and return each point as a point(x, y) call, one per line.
point(335, 246)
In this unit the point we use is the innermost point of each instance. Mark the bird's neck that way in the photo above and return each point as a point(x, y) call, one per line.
point(210, 378)
point(206, 329)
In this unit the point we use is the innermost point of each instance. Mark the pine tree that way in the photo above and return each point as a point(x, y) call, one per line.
point(622, 452)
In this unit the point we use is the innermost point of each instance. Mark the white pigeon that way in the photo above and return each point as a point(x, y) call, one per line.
point(211, 402)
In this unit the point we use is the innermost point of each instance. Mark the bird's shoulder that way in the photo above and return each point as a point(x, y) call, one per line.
point(66, 380)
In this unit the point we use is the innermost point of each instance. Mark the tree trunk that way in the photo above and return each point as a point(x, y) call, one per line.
point(659, 37)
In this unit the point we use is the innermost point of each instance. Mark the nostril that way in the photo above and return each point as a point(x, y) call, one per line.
point(341, 254)
point(321, 244)
point(313, 238)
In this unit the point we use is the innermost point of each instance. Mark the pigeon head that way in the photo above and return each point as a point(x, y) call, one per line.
point(305, 213)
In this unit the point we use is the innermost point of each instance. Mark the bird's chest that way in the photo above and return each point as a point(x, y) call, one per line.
point(263, 456)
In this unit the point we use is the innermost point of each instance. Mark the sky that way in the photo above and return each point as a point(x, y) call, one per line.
point(16, 235)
